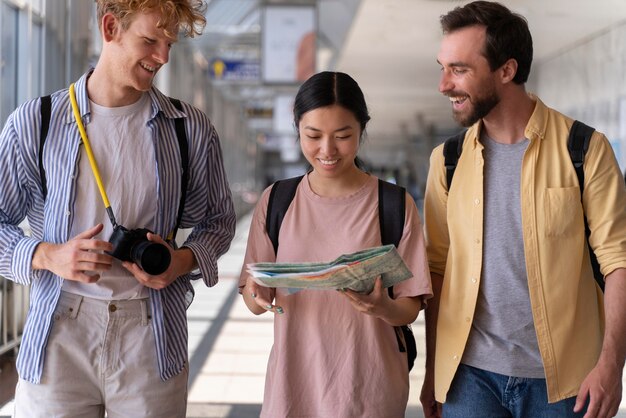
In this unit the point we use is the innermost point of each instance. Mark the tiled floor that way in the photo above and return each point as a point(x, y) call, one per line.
point(229, 382)
point(229, 347)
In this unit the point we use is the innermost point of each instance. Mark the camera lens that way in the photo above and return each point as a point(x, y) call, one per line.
point(153, 258)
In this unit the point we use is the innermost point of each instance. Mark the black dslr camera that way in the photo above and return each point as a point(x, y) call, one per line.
point(133, 245)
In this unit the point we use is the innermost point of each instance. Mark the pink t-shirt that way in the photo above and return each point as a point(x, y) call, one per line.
point(329, 360)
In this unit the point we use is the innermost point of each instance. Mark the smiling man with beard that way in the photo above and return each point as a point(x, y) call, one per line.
point(518, 327)
point(105, 333)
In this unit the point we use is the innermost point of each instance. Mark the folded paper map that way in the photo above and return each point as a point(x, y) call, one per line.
point(356, 271)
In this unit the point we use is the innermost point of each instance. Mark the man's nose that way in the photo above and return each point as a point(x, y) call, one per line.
point(162, 54)
point(445, 84)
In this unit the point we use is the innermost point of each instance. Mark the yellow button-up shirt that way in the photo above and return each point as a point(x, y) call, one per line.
point(566, 303)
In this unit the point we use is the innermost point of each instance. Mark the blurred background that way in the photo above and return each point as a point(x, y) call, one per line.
point(247, 66)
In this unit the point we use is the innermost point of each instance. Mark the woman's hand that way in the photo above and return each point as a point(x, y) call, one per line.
point(258, 299)
point(372, 304)
point(395, 312)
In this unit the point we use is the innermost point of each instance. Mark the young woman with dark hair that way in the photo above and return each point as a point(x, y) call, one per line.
point(335, 353)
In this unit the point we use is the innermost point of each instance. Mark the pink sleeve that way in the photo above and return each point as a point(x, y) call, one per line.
point(412, 249)
point(259, 247)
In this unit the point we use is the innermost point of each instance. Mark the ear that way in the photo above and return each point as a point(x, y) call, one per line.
point(110, 26)
point(508, 71)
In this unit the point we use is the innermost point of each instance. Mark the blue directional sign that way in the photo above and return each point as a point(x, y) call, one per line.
point(235, 70)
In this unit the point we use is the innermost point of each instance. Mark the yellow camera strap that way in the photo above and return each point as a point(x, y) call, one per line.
point(92, 159)
point(184, 153)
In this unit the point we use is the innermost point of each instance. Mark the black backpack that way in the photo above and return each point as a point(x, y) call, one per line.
point(391, 208)
point(181, 135)
point(577, 145)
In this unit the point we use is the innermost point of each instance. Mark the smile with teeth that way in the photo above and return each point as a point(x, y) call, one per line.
point(457, 99)
point(328, 162)
point(147, 67)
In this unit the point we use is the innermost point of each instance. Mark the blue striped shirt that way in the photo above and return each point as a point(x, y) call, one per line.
point(208, 210)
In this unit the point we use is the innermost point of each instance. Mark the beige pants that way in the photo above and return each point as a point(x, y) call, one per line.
point(101, 357)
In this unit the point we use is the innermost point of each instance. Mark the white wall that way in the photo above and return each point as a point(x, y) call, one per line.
point(588, 82)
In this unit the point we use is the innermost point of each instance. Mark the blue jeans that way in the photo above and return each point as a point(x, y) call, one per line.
point(477, 393)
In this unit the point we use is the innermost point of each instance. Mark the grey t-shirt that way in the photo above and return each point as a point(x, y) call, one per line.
point(502, 338)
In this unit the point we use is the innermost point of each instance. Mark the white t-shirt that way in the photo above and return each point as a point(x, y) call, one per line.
point(122, 146)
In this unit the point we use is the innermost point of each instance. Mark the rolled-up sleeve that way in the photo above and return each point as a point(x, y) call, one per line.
point(604, 200)
point(210, 195)
point(16, 250)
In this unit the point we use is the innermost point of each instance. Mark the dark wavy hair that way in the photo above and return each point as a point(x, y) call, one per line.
point(508, 35)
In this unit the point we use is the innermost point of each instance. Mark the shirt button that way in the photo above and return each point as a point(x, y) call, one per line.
point(477, 201)
point(474, 280)
point(467, 319)
point(68, 213)
point(477, 240)
point(455, 358)
point(112, 308)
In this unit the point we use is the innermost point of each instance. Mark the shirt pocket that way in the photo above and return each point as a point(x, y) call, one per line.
point(563, 211)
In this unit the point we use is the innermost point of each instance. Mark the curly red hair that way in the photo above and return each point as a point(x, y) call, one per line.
point(186, 15)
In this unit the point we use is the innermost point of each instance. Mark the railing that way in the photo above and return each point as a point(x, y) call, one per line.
point(14, 301)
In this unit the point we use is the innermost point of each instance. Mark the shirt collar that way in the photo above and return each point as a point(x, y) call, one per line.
point(159, 102)
point(82, 100)
point(535, 128)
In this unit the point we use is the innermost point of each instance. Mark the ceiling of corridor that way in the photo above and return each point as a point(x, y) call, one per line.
point(390, 46)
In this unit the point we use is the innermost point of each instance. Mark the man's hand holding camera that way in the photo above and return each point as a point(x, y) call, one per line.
point(182, 262)
point(83, 257)
point(79, 259)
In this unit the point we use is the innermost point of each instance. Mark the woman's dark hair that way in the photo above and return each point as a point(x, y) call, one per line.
point(508, 35)
point(329, 88)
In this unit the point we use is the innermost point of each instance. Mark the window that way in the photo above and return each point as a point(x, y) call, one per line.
point(28, 57)
point(8, 60)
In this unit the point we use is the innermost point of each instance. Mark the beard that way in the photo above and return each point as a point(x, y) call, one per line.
point(480, 108)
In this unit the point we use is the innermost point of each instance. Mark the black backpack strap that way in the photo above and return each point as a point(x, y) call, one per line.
point(391, 212)
point(391, 209)
point(391, 216)
point(452, 149)
point(46, 111)
point(183, 146)
point(577, 145)
point(281, 195)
